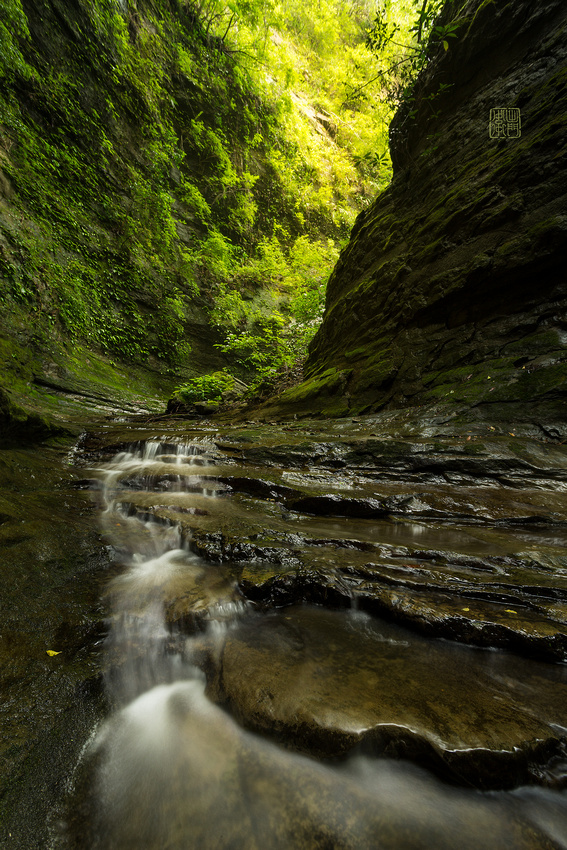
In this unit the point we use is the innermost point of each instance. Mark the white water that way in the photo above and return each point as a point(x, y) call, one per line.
point(170, 770)
point(145, 647)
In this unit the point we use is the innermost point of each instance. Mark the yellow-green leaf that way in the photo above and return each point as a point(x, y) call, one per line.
point(446, 45)
point(53, 652)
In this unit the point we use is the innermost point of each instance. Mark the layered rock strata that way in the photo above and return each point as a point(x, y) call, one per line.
point(349, 554)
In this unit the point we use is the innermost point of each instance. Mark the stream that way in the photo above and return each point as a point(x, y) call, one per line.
point(321, 635)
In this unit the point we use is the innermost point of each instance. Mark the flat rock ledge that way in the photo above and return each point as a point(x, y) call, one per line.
point(327, 682)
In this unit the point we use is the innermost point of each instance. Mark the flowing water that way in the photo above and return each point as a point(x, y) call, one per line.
point(171, 769)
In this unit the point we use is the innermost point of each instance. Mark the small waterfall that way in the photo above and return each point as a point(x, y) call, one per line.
point(171, 769)
point(146, 648)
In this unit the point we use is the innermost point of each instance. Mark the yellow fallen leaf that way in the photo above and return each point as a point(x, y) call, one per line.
point(509, 611)
point(466, 609)
point(512, 435)
point(53, 652)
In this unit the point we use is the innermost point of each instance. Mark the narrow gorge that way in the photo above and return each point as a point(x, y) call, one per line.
point(329, 611)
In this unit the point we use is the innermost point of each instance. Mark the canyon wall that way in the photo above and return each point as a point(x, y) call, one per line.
point(452, 289)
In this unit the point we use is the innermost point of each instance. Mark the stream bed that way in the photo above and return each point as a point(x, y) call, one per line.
point(346, 634)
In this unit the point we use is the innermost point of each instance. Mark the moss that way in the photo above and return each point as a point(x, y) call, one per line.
point(495, 382)
point(18, 425)
point(375, 372)
point(468, 384)
point(528, 385)
point(324, 393)
point(141, 164)
point(356, 353)
point(329, 380)
point(536, 343)
point(429, 252)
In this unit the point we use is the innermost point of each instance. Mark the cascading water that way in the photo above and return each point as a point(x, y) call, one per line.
point(170, 770)
point(144, 650)
point(150, 662)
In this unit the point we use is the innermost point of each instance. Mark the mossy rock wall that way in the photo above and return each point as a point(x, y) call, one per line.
point(135, 157)
point(90, 257)
point(452, 288)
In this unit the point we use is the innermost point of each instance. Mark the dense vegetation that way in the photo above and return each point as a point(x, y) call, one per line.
point(177, 175)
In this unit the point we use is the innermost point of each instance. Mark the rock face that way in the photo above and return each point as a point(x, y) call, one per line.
point(452, 287)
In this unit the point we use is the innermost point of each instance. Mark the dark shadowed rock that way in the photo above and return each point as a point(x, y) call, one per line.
point(52, 567)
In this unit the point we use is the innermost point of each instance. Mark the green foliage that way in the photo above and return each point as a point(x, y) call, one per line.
point(262, 347)
point(205, 388)
point(171, 157)
point(13, 31)
point(273, 329)
point(406, 51)
point(216, 254)
point(104, 233)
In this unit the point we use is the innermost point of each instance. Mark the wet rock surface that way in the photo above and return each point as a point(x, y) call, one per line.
point(347, 595)
point(222, 787)
point(53, 567)
point(327, 681)
point(459, 538)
